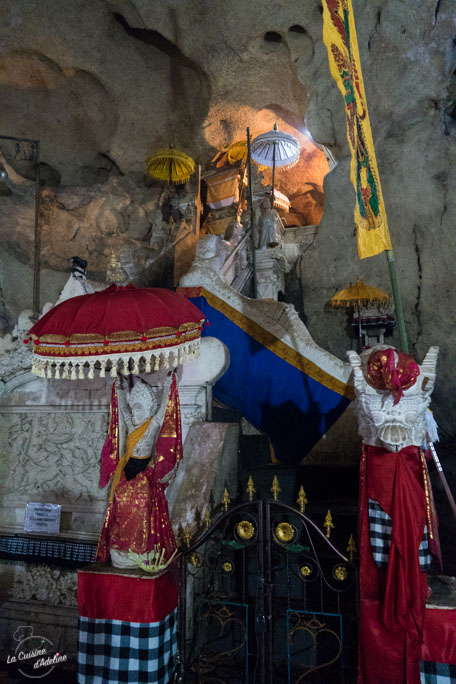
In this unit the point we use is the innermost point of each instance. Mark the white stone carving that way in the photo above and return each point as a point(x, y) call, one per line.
point(269, 226)
point(14, 355)
point(160, 238)
point(211, 252)
point(271, 267)
point(380, 422)
point(51, 456)
point(16, 360)
point(41, 582)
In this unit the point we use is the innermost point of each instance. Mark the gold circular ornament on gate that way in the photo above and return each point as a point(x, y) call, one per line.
point(285, 533)
point(245, 530)
point(305, 570)
point(195, 560)
point(340, 573)
point(227, 567)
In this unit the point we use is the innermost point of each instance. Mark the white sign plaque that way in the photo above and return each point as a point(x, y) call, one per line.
point(42, 518)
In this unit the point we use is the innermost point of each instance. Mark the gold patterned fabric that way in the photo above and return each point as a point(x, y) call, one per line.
point(137, 517)
point(339, 35)
point(388, 369)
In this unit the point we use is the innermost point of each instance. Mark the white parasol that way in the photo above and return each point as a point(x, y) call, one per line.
point(277, 149)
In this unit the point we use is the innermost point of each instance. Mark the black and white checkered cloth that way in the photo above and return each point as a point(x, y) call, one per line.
point(118, 651)
point(47, 550)
point(380, 525)
point(437, 673)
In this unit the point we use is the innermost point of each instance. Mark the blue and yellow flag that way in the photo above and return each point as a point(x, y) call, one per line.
point(339, 35)
point(281, 392)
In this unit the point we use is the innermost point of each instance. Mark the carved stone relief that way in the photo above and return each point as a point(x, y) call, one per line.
point(56, 586)
point(52, 455)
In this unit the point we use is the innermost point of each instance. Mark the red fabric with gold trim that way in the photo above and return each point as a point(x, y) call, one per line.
point(137, 519)
point(392, 599)
point(110, 451)
point(110, 596)
point(115, 309)
point(388, 369)
point(144, 329)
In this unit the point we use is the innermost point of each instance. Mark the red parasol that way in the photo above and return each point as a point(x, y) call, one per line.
point(149, 327)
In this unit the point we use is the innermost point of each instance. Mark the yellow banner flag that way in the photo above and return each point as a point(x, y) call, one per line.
point(339, 35)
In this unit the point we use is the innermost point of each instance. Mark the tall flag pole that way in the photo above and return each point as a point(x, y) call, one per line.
point(339, 35)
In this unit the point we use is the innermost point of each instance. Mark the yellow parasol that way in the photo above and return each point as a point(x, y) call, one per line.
point(170, 165)
point(359, 295)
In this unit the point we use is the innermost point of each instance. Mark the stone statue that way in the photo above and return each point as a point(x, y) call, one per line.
point(383, 421)
point(397, 521)
point(269, 226)
point(211, 252)
point(137, 520)
point(234, 232)
point(160, 234)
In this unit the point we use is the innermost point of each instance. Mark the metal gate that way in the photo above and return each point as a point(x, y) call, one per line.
point(265, 598)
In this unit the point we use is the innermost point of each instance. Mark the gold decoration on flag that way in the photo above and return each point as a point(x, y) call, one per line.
point(339, 35)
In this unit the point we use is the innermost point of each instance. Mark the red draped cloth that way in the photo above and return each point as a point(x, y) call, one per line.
point(137, 518)
point(392, 598)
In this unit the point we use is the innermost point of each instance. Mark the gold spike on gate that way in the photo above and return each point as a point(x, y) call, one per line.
point(207, 518)
point(329, 525)
point(302, 500)
point(226, 499)
point(187, 536)
point(351, 548)
point(250, 488)
point(275, 489)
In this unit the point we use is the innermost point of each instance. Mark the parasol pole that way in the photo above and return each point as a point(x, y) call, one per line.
point(397, 300)
point(273, 167)
point(252, 215)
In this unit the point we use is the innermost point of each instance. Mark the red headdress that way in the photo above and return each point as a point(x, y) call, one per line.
point(388, 369)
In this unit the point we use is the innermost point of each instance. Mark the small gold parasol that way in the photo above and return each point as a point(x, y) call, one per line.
point(359, 296)
point(170, 165)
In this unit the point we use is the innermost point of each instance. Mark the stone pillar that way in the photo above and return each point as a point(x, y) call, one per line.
point(271, 267)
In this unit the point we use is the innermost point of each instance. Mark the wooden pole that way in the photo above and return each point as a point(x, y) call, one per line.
point(252, 216)
point(443, 479)
point(273, 171)
point(397, 300)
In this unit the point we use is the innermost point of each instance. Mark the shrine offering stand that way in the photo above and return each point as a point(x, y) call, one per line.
point(127, 625)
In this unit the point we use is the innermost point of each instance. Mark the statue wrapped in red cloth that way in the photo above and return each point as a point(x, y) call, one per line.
point(397, 522)
point(137, 519)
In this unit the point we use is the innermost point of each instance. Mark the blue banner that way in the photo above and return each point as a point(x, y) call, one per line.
point(290, 399)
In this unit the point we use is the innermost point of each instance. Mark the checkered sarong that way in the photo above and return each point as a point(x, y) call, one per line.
point(52, 550)
point(437, 673)
point(134, 652)
point(380, 525)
